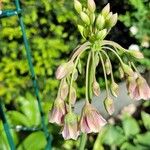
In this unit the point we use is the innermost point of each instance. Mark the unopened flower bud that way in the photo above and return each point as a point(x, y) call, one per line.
point(121, 72)
point(96, 59)
point(113, 20)
point(91, 5)
point(85, 18)
point(100, 22)
point(127, 69)
point(75, 75)
point(106, 10)
point(136, 54)
point(81, 29)
point(109, 105)
point(73, 96)
point(77, 6)
point(64, 69)
point(64, 90)
point(86, 32)
point(101, 34)
point(109, 16)
point(108, 66)
point(114, 89)
point(96, 88)
point(92, 18)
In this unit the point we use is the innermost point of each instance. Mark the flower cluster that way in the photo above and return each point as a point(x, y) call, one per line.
point(94, 28)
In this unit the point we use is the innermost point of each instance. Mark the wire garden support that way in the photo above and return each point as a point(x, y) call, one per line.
point(6, 127)
point(8, 13)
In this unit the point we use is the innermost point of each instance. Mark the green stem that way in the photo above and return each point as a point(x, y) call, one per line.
point(111, 72)
point(83, 140)
point(135, 67)
point(80, 49)
point(87, 77)
point(114, 44)
point(76, 62)
point(106, 83)
point(108, 48)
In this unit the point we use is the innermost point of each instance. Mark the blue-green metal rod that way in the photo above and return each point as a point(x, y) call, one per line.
point(6, 128)
point(29, 57)
point(8, 13)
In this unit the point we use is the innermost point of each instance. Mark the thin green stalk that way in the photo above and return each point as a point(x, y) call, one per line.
point(114, 44)
point(79, 50)
point(111, 72)
point(135, 68)
point(105, 76)
point(108, 48)
point(87, 78)
point(83, 140)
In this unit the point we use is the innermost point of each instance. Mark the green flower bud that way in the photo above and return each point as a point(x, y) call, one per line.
point(113, 20)
point(121, 72)
point(101, 34)
point(100, 22)
point(75, 75)
point(114, 89)
point(136, 54)
point(92, 18)
point(86, 32)
point(127, 69)
point(96, 59)
point(77, 6)
point(108, 66)
point(85, 18)
point(91, 5)
point(106, 10)
point(81, 29)
point(109, 105)
point(109, 16)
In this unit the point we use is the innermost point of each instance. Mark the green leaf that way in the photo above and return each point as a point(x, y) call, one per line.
point(18, 118)
point(113, 135)
point(143, 139)
point(35, 141)
point(130, 126)
point(146, 119)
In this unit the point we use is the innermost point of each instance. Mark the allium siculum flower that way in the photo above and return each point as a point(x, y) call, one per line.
point(70, 128)
point(58, 111)
point(138, 87)
point(109, 105)
point(91, 120)
point(64, 69)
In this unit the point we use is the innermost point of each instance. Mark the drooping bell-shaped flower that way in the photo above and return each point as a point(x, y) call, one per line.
point(138, 87)
point(91, 120)
point(58, 111)
point(144, 89)
point(70, 128)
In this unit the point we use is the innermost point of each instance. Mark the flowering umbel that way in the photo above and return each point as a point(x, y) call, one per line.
point(97, 51)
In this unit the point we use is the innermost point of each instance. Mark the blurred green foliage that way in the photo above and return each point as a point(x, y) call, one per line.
point(53, 35)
